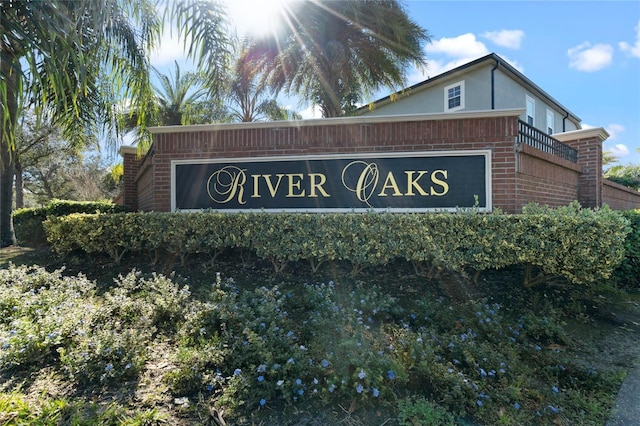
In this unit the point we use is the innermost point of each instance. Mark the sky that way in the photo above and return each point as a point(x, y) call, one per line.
point(585, 54)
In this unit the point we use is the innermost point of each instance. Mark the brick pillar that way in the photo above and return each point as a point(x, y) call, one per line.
point(588, 142)
point(131, 164)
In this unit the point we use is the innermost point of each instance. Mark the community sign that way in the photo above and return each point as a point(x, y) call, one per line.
point(396, 182)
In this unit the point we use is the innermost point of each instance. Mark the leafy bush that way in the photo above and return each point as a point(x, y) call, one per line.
point(245, 347)
point(628, 273)
point(51, 319)
point(27, 222)
point(581, 245)
point(420, 411)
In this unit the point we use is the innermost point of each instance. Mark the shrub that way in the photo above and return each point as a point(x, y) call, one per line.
point(420, 411)
point(49, 319)
point(581, 245)
point(244, 347)
point(626, 275)
point(27, 222)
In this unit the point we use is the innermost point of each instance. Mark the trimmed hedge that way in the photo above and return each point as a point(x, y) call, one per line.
point(27, 223)
point(627, 275)
point(580, 244)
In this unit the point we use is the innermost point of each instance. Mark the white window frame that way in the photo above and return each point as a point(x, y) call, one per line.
point(446, 96)
point(551, 122)
point(530, 100)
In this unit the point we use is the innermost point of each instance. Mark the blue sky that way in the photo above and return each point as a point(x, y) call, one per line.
point(586, 54)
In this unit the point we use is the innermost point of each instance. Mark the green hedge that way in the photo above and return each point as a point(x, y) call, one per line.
point(27, 223)
point(627, 275)
point(580, 244)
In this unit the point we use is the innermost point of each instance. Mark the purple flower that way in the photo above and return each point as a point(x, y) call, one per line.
point(362, 374)
point(516, 406)
point(359, 388)
point(263, 402)
point(325, 363)
point(261, 378)
point(376, 393)
point(237, 372)
point(391, 375)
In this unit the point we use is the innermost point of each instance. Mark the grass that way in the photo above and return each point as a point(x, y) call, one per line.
point(247, 347)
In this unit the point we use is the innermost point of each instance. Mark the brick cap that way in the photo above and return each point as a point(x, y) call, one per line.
point(340, 121)
point(596, 132)
point(127, 149)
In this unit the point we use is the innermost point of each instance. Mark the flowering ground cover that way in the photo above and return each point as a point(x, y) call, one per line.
point(232, 343)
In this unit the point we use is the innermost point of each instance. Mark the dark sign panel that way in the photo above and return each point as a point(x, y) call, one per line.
point(407, 181)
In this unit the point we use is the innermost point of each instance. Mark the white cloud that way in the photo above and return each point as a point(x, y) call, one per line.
point(418, 75)
point(311, 112)
point(459, 50)
point(451, 52)
point(619, 150)
point(509, 39)
point(585, 57)
point(462, 46)
point(169, 49)
point(632, 50)
point(614, 130)
point(513, 63)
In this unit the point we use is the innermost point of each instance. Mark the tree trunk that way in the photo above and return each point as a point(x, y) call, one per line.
point(7, 152)
point(19, 184)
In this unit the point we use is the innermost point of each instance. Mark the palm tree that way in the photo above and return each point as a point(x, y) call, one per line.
point(249, 97)
point(180, 99)
point(82, 58)
point(333, 52)
point(178, 96)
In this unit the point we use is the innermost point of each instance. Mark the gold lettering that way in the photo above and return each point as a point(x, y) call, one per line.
point(367, 180)
point(272, 189)
point(256, 182)
point(227, 182)
point(442, 183)
point(295, 184)
point(322, 179)
point(413, 183)
point(390, 183)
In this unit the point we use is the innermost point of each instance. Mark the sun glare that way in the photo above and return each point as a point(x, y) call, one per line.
point(255, 17)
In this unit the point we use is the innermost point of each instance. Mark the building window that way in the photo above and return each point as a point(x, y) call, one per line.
point(454, 97)
point(531, 111)
point(550, 122)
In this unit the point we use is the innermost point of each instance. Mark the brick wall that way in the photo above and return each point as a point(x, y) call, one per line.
point(344, 135)
point(520, 173)
point(545, 179)
point(619, 197)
